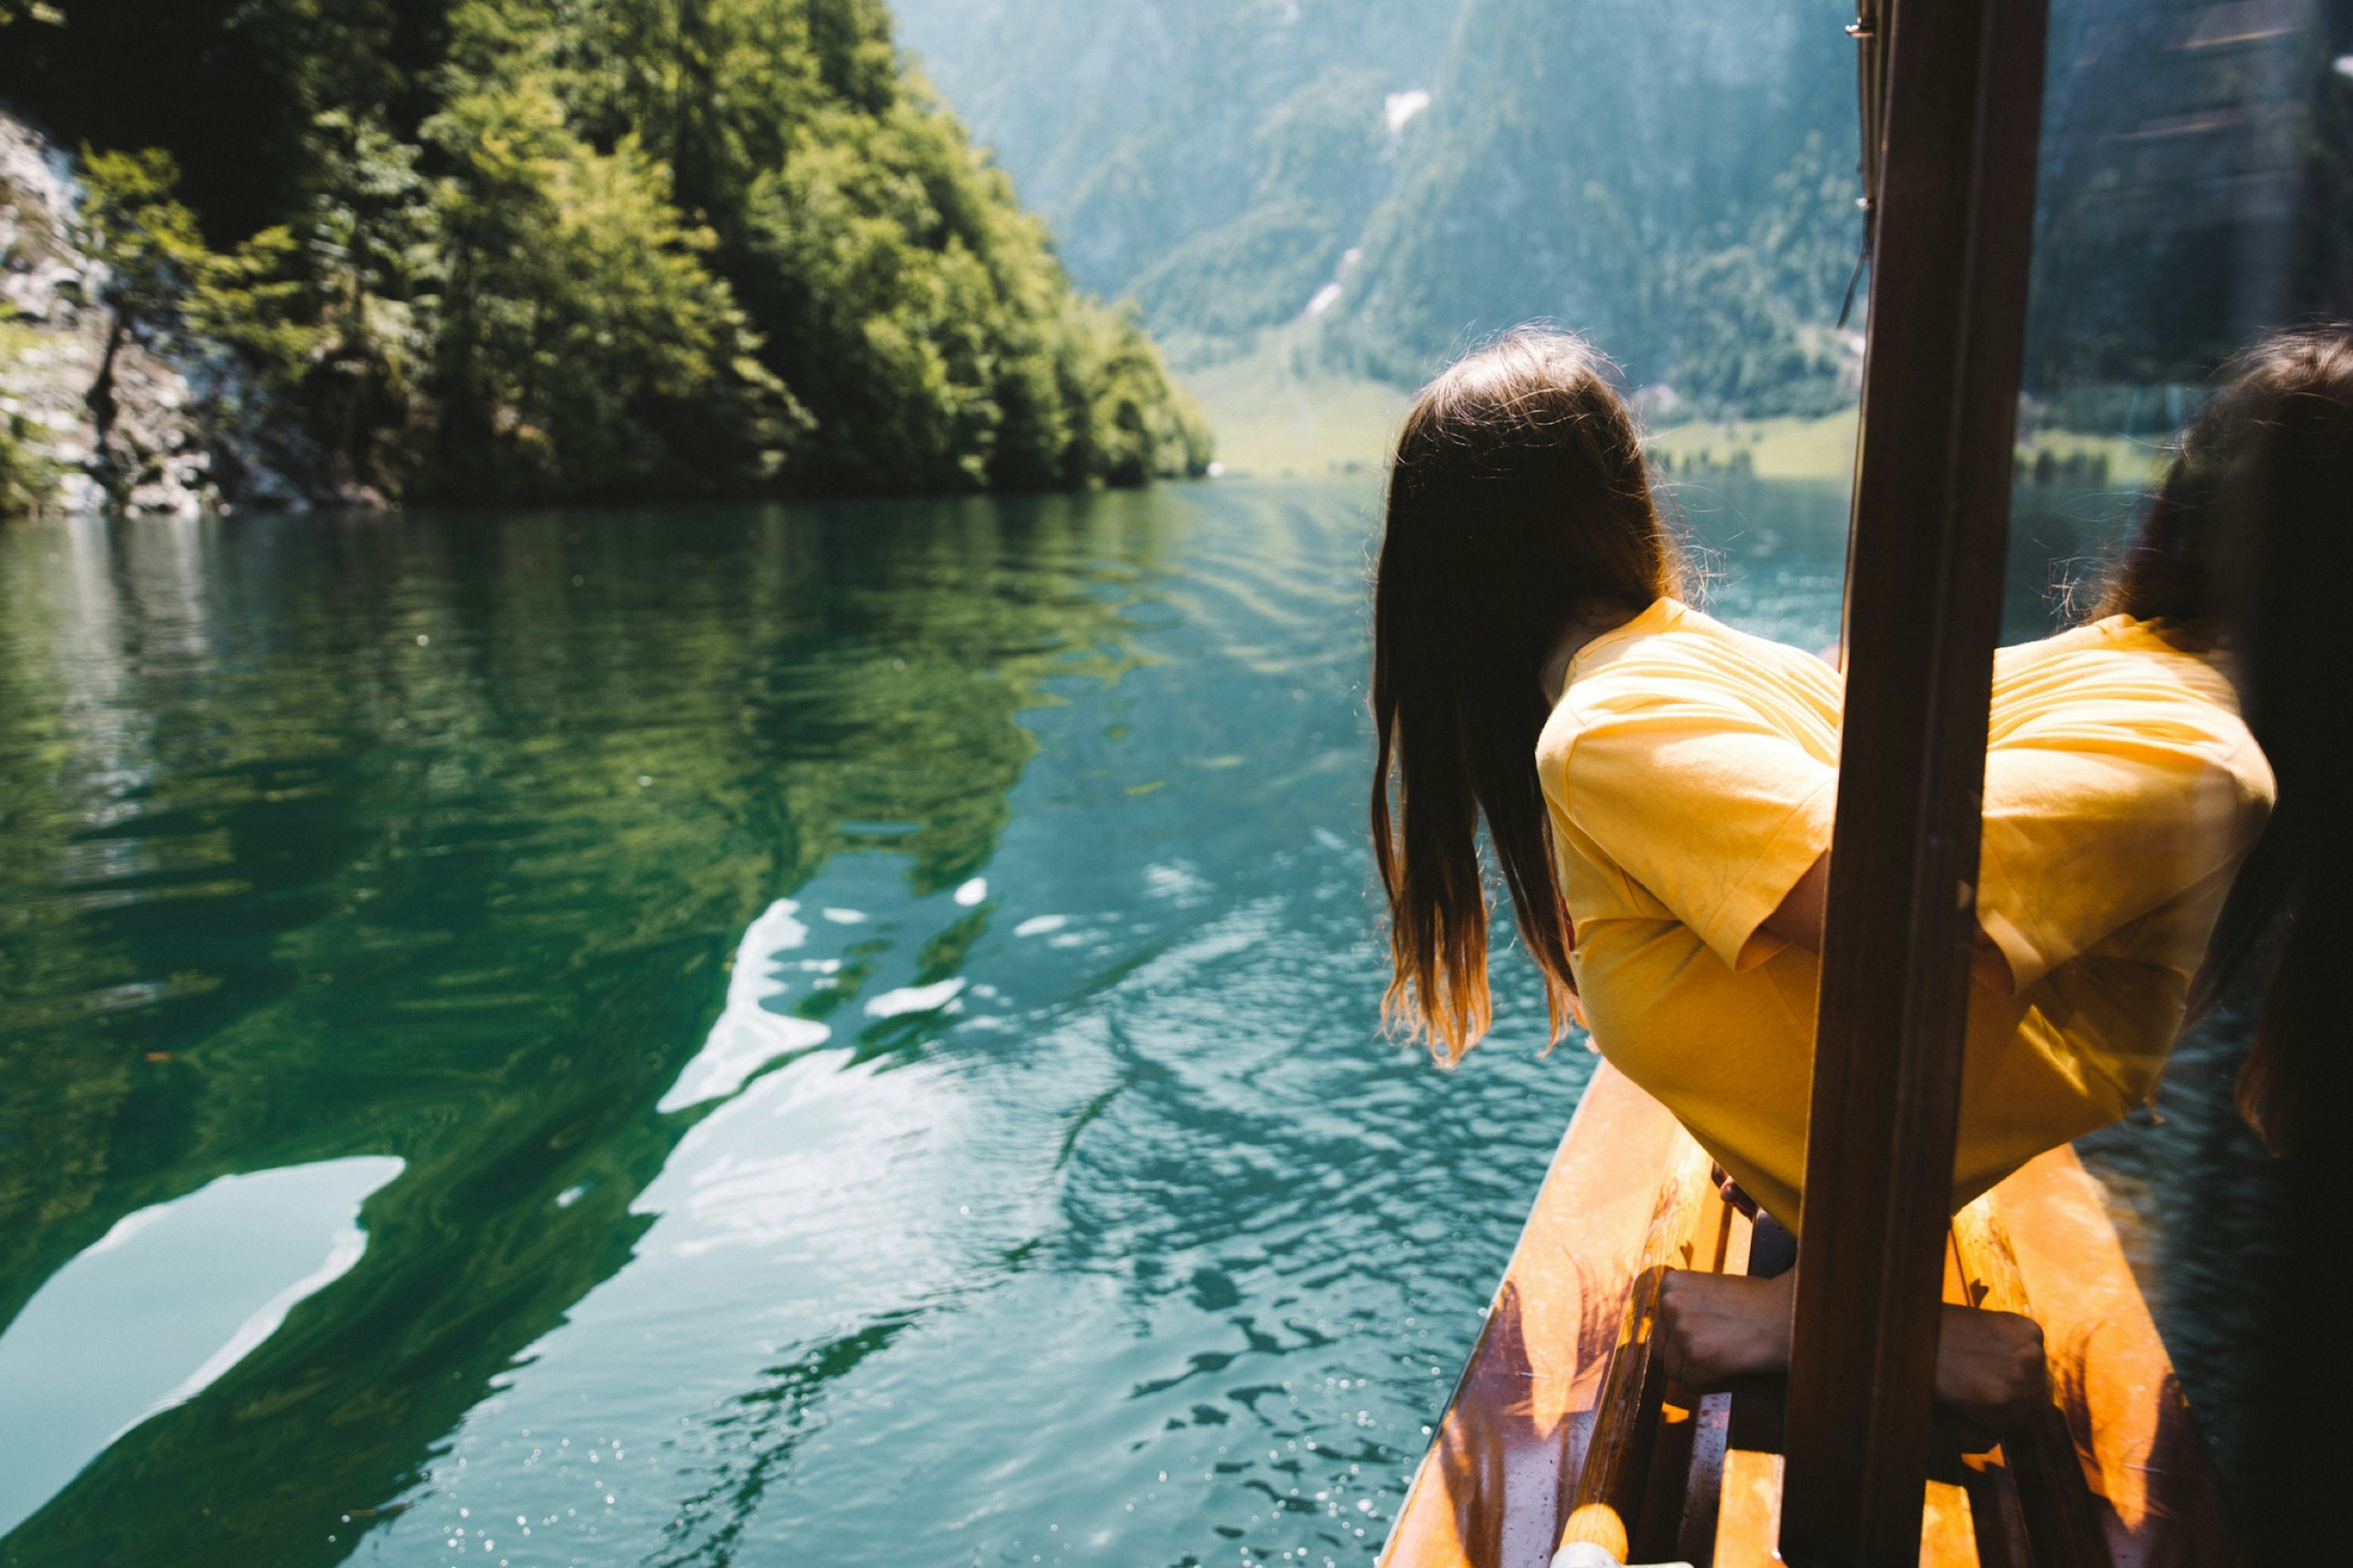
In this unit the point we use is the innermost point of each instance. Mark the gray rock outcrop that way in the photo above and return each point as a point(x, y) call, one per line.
point(174, 436)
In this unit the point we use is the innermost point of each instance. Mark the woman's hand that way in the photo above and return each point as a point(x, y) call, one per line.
point(1714, 1328)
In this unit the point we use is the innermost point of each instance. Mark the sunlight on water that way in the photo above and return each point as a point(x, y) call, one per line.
point(161, 1306)
point(748, 1035)
point(876, 1004)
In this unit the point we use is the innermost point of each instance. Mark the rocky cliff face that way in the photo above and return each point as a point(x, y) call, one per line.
point(156, 450)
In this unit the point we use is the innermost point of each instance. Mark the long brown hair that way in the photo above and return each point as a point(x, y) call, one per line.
point(1518, 503)
point(2245, 551)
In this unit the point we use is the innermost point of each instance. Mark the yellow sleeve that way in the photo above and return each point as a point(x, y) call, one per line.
point(2102, 808)
point(1701, 800)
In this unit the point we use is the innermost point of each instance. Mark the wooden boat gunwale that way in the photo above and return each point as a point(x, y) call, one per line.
point(1507, 1454)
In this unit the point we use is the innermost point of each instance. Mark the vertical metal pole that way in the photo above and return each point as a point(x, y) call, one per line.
point(1954, 215)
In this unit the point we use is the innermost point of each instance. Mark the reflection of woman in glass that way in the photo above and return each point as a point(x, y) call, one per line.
point(2243, 558)
point(1658, 791)
point(2248, 549)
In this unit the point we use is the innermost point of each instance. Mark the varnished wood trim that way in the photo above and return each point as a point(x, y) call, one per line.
point(1954, 232)
point(1607, 1504)
point(1749, 1515)
point(1490, 1493)
point(2152, 1483)
point(2062, 1527)
point(1511, 1442)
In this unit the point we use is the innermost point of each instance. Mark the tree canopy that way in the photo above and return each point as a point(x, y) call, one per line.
point(553, 249)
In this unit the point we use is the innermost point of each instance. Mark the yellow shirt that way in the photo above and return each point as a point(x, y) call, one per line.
point(1691, 772)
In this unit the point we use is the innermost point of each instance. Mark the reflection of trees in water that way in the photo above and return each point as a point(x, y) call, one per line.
point(282, 883)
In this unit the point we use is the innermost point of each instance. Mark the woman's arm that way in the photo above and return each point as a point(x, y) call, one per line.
point(2105, 801)
point(1799, 917)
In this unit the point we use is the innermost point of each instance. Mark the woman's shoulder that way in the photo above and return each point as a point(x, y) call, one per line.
point(2118, 658)
point(1674, 658)
point(2120, 686)
point(1761, 652)
point(1677, 648)
point(1672, 632)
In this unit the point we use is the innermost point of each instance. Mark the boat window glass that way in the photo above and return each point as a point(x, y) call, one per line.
point(2196, 191)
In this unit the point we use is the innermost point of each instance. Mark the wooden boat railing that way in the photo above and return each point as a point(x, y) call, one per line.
point(1945, 340)
point(1544, 1425)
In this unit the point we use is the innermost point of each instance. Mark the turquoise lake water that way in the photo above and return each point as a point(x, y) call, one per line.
point(794, 1034)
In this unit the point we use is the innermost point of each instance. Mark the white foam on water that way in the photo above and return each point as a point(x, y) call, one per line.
point(1177, 882)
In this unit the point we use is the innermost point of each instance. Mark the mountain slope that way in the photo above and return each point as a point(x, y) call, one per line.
point(1393, 180)
point(1660, 187)
point(1266, 178)
point(1137, 126)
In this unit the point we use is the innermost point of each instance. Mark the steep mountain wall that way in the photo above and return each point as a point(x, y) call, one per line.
point(1213, 162)
point(1410, 176)
point(1677, 187)
point(1675, 180)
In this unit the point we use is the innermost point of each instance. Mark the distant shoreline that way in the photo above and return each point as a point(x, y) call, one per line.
point(1275, 421)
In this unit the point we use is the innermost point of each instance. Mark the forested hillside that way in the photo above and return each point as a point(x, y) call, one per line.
point(1407, 175)
point(1380, 182)
point(1685, 191)
point(1211, 160)
point(534, 249)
